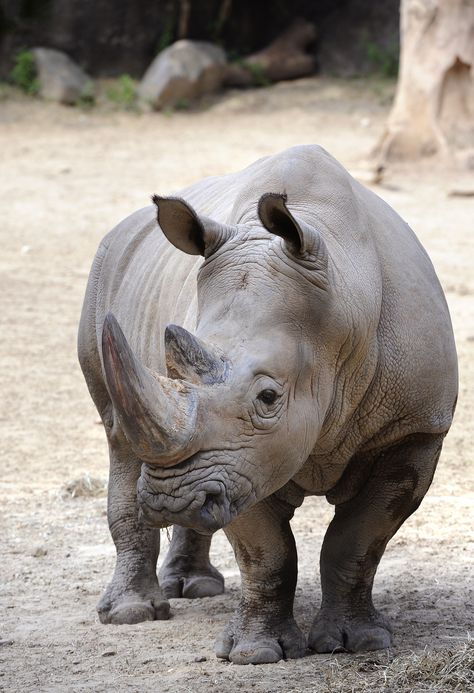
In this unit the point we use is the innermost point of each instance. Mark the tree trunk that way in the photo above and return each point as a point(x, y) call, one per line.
point(433, 112)
point(284, 58)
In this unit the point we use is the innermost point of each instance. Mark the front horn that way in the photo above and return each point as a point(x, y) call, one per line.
point(157, 415)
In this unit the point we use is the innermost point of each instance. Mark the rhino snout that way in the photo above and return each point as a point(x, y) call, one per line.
point(203, 506)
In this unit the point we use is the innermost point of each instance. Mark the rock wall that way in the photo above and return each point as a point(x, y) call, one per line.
point(112, 37)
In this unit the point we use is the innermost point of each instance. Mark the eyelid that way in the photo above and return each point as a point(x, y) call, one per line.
point(267, 382)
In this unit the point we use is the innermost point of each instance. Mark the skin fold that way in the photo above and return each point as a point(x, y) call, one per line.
point(260, 337)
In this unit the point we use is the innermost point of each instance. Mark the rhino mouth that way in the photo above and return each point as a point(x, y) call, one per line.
point(194, 494)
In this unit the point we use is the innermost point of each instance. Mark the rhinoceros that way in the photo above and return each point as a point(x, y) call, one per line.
point(257, 338)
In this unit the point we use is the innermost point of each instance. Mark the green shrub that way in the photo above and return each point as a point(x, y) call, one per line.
point(123, 92)
point(257, 72)
point(24, 74)
point(166, 37)
point(87, 98)
point(384, 60)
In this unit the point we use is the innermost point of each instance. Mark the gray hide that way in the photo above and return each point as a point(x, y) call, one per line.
point(311, 352)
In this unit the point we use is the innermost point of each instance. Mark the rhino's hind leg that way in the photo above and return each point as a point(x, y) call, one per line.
point(263, 629)
point(187, 571)
point(133, 594)
point(356, 540)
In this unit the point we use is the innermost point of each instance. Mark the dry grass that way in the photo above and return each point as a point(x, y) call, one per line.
point(85, 486)
point(434, 671)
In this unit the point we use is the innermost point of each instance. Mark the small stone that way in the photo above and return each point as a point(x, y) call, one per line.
point(39, 552)
point(3, 643)
point(202, 658)
point(108, 653)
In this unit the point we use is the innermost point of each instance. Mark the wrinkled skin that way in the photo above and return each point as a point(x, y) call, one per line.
point(315, 356)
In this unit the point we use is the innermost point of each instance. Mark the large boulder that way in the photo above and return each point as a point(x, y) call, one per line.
point(60, 79)
point(183, 72)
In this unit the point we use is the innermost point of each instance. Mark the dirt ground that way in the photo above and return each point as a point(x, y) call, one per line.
point(67, 176)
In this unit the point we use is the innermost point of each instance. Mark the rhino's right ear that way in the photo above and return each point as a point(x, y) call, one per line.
point(302, 242)
point(186, 230)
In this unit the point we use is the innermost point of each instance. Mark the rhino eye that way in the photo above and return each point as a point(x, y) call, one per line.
point(267, 396)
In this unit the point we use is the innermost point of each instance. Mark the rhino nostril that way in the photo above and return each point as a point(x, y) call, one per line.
point(211, 500)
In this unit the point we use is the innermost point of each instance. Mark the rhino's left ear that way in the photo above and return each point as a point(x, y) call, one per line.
point(186, 230)
point(301, 240)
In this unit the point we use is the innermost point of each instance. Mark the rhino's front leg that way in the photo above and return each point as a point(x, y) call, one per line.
point(187, 571)
point(133, 595)
point(263, 629)
point(356, 540)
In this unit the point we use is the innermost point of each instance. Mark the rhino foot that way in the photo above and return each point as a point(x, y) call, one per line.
point(251, 641)
point(191, 585)
point(355, 634)
point(120, 607)
point(187, 571)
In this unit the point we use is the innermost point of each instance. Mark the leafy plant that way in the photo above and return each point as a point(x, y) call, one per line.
point(384, 59)
point(182, 104)
point(258, 74)
point(24, 74)
point(166, 36)
point(123, 92)
point(87, 98)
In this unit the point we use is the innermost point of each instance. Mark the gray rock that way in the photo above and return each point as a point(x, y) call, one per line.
point(59, 77)
point(184, 71)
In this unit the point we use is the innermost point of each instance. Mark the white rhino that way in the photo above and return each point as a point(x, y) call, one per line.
point(319, 360)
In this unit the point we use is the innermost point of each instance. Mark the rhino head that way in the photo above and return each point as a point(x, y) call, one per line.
point(245, 398)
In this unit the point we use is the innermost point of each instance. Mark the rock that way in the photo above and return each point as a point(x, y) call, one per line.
point(59, 77)
point(183, 72)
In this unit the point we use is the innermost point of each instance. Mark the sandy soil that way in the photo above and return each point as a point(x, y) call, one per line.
point(67, 176)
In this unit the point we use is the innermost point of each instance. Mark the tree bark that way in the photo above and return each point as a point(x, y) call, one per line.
point(433, 111)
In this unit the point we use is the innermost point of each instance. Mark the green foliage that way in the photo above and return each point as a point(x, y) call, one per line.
point(24, 74)
point(123, 92)
point(258, 74)
point(87, 97)
point(384, 59)
point(182, 104)
point(166, 37)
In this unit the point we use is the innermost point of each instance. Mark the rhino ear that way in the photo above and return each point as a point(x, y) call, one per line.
point(186, 230)
point(302, 241)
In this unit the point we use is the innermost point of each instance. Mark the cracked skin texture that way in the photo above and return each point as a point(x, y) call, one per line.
point(340, 379)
